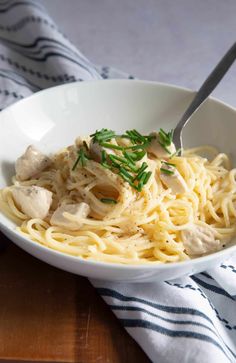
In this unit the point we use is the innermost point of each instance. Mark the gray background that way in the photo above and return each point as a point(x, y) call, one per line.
point(173, 41)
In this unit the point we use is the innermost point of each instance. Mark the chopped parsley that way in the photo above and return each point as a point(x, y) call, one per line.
point(102, 135)
point(108, 200)
point(167, 168)
point(165, 139)
point(168, 164)
point(81, 158)
point(167, 171)
point(124, 163)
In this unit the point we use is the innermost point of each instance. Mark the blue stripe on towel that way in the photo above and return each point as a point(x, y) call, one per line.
point(172, 321)
point(134, 323)
point(20, 3)
point(25, 21)
point(36, 73)
point(169, 309)
point(212, 288)
point(231, 267)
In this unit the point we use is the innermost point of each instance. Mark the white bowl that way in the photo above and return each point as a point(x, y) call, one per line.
point(53, 118)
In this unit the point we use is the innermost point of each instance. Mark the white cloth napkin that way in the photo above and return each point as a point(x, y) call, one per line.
point(192, 319)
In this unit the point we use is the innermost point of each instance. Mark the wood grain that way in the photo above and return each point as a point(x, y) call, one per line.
point(48, 315)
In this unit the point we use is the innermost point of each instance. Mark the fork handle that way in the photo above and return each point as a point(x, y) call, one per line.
point(208, 86)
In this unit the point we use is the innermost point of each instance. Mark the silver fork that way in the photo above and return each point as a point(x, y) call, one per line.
point(208, 86)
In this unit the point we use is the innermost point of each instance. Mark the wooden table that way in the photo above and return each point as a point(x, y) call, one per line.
point(48, 315)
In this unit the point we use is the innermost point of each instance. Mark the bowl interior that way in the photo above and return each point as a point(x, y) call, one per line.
point(54, 118)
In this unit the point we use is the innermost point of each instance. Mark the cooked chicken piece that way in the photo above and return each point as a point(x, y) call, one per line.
point(156, 149)
point(173, 179)
point(96, 151)
point(123, 141)
point(31, 163)
point(200, 240)
point(32, 200)
point(79, 210)
point(81, 140)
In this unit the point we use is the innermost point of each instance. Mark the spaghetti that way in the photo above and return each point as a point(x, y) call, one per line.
point(126, 225)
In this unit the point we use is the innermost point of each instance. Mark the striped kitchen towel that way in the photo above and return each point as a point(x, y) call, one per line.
point(192, 319)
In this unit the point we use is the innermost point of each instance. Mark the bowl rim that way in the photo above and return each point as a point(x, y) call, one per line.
point(115, 265)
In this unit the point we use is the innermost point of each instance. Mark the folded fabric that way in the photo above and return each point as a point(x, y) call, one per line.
point(191, 319)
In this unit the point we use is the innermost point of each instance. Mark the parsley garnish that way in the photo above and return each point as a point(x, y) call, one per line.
point(85, 145)
point(108, 200)
point(165, 139)
point(167, 171)
point(167, 167)
point(169, 164)
point(111, 146)
point(125, 162)
point(82, 158)
point(147, 177)
point(140, 171)
point(103, 135)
